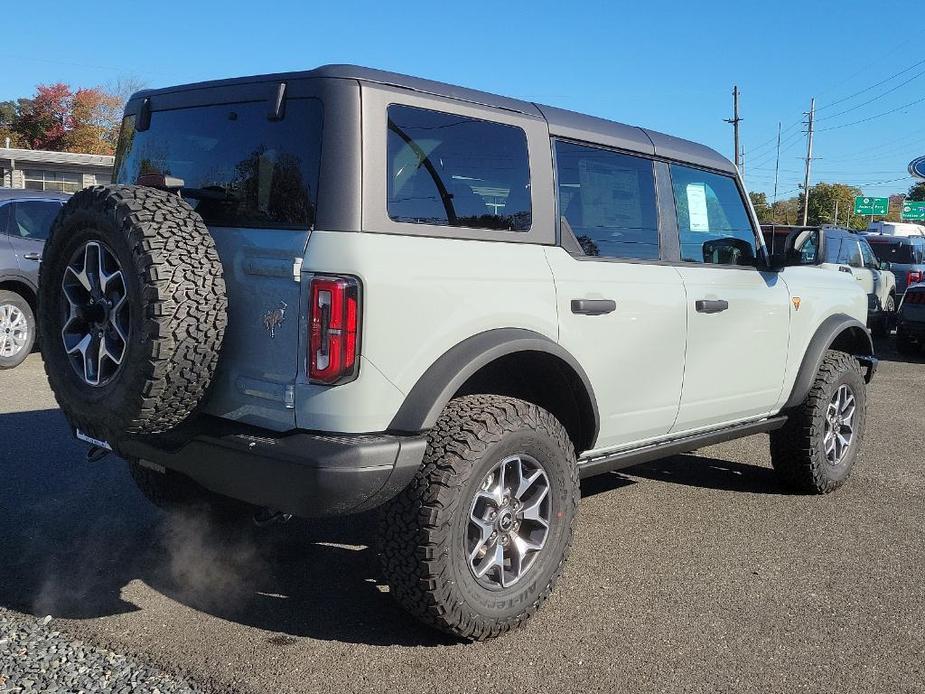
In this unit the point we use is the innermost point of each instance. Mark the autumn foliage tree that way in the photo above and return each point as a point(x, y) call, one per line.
point(60, 119)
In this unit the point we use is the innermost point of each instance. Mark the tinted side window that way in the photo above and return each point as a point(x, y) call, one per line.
point(453, 170)
point(239, 169)
point(712, 219)
point(4, 216)
point(849, 253)
point(33, 219)
point(607, 200)
point(867, 255)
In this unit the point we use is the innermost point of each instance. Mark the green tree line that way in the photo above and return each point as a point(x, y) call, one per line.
point(825, 200)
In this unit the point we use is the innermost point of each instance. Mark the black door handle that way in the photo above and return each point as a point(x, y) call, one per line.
point(844, 269)
point(32, 256)
point(711, 305)
point(593, 307)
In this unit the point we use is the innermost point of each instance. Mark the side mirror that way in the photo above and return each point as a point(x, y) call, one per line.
point(885, 265)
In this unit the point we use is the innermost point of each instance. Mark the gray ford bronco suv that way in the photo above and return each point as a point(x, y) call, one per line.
point(331, 291)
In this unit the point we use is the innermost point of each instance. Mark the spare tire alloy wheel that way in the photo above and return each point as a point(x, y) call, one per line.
point(508, 522)
point(97, 324)
point(15, 332)
point(132, 302)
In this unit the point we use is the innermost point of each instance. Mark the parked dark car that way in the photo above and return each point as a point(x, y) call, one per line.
point(906, 256)
point(910, 321)
point(26, 217)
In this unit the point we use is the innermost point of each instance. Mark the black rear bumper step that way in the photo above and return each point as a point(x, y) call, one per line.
point(664, 449)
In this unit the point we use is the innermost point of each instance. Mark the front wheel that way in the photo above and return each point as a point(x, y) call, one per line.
point(815, 450)
point(474, 545)
point(17, 329)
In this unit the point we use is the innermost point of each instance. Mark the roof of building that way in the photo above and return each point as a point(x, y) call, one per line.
point(562, 123)
point(20, 194)
point(40, 156)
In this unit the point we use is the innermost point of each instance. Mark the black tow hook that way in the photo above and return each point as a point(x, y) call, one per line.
point(97, 453)
point(266, 517)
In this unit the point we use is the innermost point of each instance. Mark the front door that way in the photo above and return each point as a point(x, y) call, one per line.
point(738, 315)
point(29, 226)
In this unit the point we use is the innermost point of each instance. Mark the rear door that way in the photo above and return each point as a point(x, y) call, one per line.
point(251, 171)
point(29, 225)
point(738, 313)
point(621, 310)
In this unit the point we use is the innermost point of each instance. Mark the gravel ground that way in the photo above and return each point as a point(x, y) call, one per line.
point(698, 573)
point(35, 657)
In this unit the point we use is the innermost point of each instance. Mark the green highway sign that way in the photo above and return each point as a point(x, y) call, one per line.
point(913, 211)
point(878, 206)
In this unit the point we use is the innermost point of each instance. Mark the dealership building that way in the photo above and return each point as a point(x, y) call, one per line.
point(58, 171)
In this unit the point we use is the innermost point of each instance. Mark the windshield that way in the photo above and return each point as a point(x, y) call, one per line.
point(241, 168)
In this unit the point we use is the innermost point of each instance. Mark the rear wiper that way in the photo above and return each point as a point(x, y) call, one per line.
point(172, 184)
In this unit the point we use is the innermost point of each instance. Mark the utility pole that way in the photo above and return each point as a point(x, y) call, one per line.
point(774, 201)
point(809, 157)
point(735, 122)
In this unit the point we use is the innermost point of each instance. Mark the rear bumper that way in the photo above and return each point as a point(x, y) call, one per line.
point(303, 473)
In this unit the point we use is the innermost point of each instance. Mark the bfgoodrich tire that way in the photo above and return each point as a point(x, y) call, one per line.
point(17, 329)
point(815, 450)
point(498, 481)
point(132, 310)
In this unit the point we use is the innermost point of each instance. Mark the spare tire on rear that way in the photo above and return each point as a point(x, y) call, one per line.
point(132, 310)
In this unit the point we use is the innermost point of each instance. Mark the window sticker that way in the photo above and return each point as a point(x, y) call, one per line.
point(697, 207)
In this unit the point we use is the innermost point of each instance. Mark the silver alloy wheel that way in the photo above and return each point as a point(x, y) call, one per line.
point(839, 425)
point(96, 327)
point(14, 330)
point(508, 521)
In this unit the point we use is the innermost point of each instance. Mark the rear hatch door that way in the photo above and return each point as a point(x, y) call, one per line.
point(249, 164)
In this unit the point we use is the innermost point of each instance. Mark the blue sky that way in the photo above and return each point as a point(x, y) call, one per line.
point(666, 65)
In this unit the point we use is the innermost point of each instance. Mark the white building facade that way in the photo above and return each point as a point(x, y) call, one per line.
point(52, 171)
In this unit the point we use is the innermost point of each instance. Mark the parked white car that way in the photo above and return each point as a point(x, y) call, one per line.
point(896, 229)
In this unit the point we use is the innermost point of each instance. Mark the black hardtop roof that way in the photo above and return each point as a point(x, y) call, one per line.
point(562, 123)
point(25, 194)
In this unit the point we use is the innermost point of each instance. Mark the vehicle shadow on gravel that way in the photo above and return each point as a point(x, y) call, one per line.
point(73, 535)
point(710, 473)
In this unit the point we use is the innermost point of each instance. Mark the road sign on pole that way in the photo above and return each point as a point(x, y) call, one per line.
point(872, 206)
point(913, 211)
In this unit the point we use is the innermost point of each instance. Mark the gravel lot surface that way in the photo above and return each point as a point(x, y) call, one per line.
point(695, 574)
point(35, 657)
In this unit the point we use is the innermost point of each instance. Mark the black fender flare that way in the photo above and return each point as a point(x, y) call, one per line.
point(861, 345)
point(447, 374)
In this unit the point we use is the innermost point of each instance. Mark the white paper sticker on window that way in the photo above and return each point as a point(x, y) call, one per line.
point(697, 207)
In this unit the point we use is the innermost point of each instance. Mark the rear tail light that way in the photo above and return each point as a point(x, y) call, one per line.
point(914, 276)
point(334, 328)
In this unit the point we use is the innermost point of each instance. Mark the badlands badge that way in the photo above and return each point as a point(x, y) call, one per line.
point(796, 303)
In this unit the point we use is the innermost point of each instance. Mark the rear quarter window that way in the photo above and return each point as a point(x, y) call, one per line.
point(239, 168)
point(453, 170)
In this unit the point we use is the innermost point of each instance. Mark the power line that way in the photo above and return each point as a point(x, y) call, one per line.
point(873, 86)
point(876, 98)
point(879, 115)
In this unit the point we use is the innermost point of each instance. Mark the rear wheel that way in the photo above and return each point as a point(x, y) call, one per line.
point(815, 450)
point(884, 324)
point(474, 545)
point(17, 329)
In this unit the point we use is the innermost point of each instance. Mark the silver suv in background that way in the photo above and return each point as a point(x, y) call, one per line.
point(25, 219)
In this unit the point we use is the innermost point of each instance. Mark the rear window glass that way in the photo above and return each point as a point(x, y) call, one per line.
point(239, 169)
point(33, 219)
point(452, 170)
point(608, 201)
point(902, 253)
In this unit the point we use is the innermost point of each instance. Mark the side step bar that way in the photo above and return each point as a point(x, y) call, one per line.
point(616, 461)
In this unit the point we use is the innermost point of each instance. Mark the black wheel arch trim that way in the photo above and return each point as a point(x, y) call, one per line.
point(823, 339)
point(436, 387)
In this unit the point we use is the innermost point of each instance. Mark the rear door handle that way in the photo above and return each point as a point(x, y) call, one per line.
point(32, 256)
point(711, 305)
point(593, 307)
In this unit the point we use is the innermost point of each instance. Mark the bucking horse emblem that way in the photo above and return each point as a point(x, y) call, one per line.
point(274, 318)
